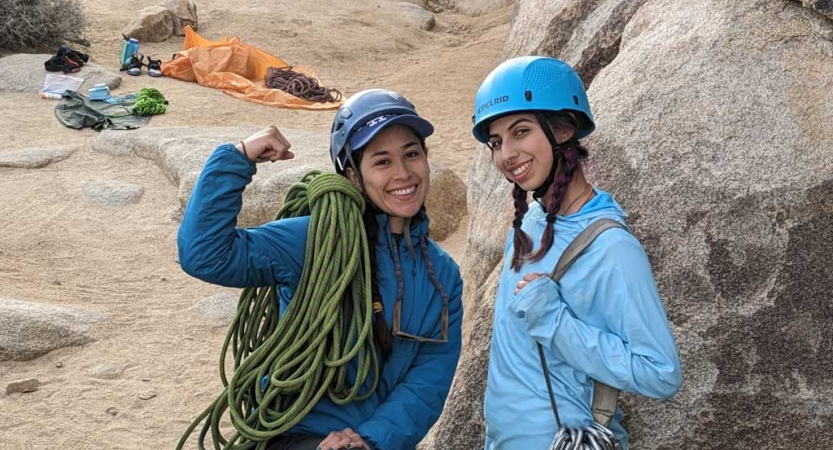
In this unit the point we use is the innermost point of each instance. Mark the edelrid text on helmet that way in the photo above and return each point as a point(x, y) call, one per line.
point(531, 83)
point(492, 102)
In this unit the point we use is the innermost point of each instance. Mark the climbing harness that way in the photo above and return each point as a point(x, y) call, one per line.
point(300, 85)
point(596, 436)
point(150, 102)
point(284, 365)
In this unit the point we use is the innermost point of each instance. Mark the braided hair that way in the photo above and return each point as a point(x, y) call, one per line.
point(521, 241)
point(567, 156)
point(381, 331)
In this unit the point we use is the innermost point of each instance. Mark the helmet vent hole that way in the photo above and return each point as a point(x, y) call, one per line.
point(541, 75)
point(528, 95)
point(575, 100)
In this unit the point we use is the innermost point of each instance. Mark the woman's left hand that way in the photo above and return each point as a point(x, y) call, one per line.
point(346, 438)
point(528, 278)
point(266, 145)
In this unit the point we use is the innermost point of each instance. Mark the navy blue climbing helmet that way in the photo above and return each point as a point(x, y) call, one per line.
point(531, 83)
point(366, 113)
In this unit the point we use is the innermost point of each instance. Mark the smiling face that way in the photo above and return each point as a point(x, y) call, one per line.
point(394, 168)
point(521, 151)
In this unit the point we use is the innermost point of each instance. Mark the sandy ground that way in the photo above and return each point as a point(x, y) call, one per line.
point(57, 248)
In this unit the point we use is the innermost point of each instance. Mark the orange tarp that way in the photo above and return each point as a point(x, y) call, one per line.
point(236, 68)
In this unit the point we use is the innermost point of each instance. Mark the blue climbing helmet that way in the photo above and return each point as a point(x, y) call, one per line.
point(364, 115)
point(531, 83)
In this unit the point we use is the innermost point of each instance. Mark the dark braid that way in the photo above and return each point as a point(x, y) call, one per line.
point(423, 244)
point(569, 163)
point(570, 154)
point(521, 242)
point(381, 333)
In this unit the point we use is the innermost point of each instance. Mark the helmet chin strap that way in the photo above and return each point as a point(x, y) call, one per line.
point(557, 153)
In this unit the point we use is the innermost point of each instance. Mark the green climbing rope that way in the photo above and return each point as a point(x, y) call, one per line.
point(284, 365)
point(150, 102)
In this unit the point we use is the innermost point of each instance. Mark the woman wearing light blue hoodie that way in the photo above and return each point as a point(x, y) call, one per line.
point(604, 320)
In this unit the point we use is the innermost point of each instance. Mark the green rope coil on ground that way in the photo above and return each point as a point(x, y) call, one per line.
point(305, 354)
point(150, 102)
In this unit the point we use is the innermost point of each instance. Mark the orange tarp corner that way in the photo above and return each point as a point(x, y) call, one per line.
point(236, 68)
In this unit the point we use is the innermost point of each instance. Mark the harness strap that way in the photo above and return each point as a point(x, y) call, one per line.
point(604, 402)
point(604, 396)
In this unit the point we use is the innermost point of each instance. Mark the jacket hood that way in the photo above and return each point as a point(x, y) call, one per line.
point(419, 227)
point(601, 205)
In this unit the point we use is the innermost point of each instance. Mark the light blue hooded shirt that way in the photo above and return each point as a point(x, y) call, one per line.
point(604, 320)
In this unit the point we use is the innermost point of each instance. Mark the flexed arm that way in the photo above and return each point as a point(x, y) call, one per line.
point(210, 246)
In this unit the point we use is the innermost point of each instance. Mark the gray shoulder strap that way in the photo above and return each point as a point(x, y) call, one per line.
point(604, 396)
point(604, 402)
point(580, 243)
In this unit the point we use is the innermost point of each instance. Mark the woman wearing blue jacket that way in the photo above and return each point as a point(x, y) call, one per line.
point(604, 321)
point(378, 142)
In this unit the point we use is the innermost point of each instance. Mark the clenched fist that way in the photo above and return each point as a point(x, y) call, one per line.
point(266, 145)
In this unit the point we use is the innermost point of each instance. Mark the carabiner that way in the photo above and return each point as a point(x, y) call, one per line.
point(594, 439)
point(575, 435)
point(610, 439)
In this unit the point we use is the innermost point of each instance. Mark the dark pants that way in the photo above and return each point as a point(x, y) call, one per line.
point(295, 442)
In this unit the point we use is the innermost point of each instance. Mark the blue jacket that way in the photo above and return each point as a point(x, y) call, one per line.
point(603, 321)
point(415, 379)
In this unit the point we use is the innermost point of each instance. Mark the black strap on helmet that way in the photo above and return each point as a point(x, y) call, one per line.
point(557, 154)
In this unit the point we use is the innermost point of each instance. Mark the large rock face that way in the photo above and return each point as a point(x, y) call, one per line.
point(714, 133)
point(822, 6)
point(585, 34)
point(182, 152)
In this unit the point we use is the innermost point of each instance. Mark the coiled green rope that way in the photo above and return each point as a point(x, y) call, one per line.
point(150, 102)
point(283, 366)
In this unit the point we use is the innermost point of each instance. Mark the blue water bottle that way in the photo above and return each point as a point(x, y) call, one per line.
point(130, 47)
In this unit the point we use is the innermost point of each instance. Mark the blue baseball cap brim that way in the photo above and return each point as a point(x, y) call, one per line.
point(368, 131)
